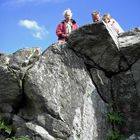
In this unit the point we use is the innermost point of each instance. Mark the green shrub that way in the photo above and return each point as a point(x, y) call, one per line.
point(115, 135)
point(115, 117)
point(5, 127)
point(19, 138)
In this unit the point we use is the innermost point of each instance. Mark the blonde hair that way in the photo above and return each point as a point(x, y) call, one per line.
point(107, 15)
point(67, 11)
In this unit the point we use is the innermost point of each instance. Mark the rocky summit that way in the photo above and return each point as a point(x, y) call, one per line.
point(85, 89)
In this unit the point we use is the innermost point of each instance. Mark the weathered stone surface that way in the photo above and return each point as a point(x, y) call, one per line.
point(60, 91)
point(64, 93)
point(114, 66)
point(96, 43)
point(24, 57)
point(12, 71)
point(129, 44)
point(133, 137)
point(4, 59)
point(9, 87)
point(135, 69)
point(103, 84)
point(127, 101)
point(122, 89)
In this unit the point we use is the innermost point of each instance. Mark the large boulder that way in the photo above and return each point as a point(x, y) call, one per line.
point(61, 99)
point(113, 62)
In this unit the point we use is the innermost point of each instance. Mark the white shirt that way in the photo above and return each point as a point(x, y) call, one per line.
point(68, 27)
point(115, 25)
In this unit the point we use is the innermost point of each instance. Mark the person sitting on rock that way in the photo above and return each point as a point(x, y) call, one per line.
point(66, 26)
point(112, 23)
point(96, 16)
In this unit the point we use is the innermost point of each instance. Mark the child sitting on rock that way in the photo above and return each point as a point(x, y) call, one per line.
point(112, 23)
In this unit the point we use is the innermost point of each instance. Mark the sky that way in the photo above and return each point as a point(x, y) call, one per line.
point(33, 23)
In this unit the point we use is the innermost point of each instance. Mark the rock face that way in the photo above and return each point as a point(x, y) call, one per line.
point(114, 68)
point(58, 97)
point(65, 92)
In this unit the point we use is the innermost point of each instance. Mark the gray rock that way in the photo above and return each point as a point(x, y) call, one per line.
point(114, 68)
point(60, 86)
point(65, 92)
point(97, 43)
point(9, 86)
point(103, 84)
point(133, 137)
point(4, 59)
point(24, 57)
point(129, 43)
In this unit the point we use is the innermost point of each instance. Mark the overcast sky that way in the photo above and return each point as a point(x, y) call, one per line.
point(32, 23)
